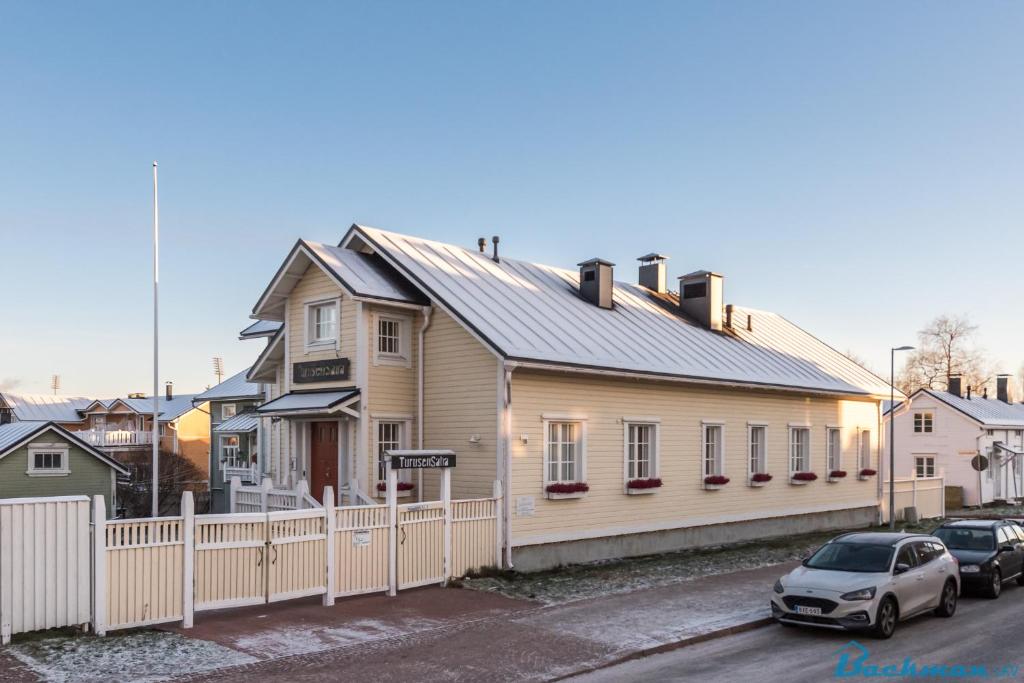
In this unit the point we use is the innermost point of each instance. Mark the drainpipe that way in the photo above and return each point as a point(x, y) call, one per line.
point(506, 450)
point(427, 310)
point(981, 497)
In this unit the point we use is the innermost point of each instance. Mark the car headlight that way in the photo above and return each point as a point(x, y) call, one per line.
point(969, 569)
point(862, 594)
point(778, 587)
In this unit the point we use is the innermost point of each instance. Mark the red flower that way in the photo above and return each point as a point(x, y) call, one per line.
point(716, 480)
point(568, 487)
point(837, 474)
point(868, 472)
point(804, 476)
point(761, 477)
point(653, 483)
point(402, 486)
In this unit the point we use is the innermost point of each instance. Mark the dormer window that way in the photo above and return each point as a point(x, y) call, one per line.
point(321, 323)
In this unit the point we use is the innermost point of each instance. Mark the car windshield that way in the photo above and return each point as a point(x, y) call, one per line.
point(962, 538)
point(851, 557)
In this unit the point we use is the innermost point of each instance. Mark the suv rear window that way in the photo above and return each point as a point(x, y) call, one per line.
point(851, 557)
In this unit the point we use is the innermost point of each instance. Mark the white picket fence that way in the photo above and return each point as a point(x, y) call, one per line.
point(140, 572)
point(927, 494)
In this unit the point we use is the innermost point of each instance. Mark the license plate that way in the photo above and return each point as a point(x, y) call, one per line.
point(809, 611)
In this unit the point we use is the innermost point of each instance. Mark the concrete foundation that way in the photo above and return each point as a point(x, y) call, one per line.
point(534, 558)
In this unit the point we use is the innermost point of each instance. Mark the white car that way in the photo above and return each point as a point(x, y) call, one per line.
point(869, 581)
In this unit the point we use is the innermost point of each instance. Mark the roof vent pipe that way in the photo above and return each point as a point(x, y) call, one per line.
point(482, 244)
point(1003, 388)
point(750, 323)
point(596, 281)
point(169, 391)
point(653, 272)
point(968, 392)
point(494, 241)
point(954, 385)
point(728, 315)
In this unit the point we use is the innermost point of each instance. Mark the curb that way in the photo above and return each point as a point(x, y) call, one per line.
point(677, 645)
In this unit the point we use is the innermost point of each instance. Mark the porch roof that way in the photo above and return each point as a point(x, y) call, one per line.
point(241, 423)
point(310, 402)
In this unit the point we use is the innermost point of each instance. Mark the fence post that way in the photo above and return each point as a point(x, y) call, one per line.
point(329, 545)
point(353, 492)
point(942, 491)
point(446, 506)
point(188, 530)
point(392, 497)
point(301, 491)
point(99, 566)
point(913, 490)
point(236, 482)
point(499, 518)
point(265, 486)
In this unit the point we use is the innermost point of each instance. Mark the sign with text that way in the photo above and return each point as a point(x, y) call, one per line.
point(333, 370)
point(418, 461)
point(360, 538)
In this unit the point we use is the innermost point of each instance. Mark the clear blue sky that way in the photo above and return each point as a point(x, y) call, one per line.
point(856, 167)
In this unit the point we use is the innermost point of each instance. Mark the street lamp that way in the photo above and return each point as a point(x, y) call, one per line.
point(892, 432)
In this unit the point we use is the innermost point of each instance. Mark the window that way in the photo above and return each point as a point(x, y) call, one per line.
point(757, 437)
point(48, 460)
point(563, 452)
point(5, 415)
point(99, 422)
point(924, 465)
point(907, 556)
point(712, 450)
point(923, 423)
point(641, 451)
point(393, 346)
point(322, 323)
point(799, 449)
point(229, 450)
point(835, 449)
point(865, 449)
point(1004, 537)
point(228, 411)
point(389, 438)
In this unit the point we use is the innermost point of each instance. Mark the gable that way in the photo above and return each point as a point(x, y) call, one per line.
point(18, 436)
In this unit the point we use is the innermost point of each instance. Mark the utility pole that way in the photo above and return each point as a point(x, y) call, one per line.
point(156, 347)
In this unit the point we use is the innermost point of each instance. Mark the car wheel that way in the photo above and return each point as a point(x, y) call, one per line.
point(885, 620)
point(947, 602)
point(995, 586)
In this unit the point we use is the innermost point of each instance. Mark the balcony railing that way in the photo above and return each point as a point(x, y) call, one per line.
point(119, 438)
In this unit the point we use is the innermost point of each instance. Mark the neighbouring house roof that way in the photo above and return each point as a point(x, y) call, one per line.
point(243, 422)
point(17, 434)
point(235, 386)
point(986, 411)
point(297, 402)
point(362, 275)
point(260, 328)
point(169, 410)
point(533, 313)
point(46, 408)
point(265, 366)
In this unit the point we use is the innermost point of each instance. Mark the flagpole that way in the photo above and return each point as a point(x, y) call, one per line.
point(156, 347)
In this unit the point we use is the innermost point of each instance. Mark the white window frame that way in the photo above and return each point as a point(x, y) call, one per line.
point(308, 312)
point(719, 454)
point(793, 429)
point(223, 410)
point(654, 445)
point(864, 449)
point(762, 456)
point(403, 442)
point(926, 458)
point(58, 448)
point(581, 460)
point(222, 446)
point(833, 457)
point(928, 415)
point(404, 356)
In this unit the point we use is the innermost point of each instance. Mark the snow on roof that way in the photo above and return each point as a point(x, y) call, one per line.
point(44, 407)
point(243, 422)
point(14, 434)
point(987, 411)
point(260, 328)
point(533, 312)
point(235, 386)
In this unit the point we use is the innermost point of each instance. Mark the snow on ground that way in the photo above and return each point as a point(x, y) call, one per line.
point(580, 582)
point(296, 640)
point(130, 656)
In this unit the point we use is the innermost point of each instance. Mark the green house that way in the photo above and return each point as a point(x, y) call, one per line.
point(43, 459)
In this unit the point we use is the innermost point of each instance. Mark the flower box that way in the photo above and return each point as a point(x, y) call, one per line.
point(640, 487)
point(759, 479)
point(403, 490)
point(866, 474)
point(715, 482)
point(564, 490)
point(836, 475)
point(802, 478)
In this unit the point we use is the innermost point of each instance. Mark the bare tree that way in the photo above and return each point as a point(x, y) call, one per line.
point(177, 474)
point(946, 346)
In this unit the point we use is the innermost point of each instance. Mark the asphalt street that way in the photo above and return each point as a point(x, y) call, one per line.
point(983, 633)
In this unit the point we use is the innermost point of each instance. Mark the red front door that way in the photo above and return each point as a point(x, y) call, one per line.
point(323, 458)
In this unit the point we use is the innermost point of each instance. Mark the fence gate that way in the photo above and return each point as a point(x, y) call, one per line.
point(296, 554)
point(421, 544)
point(230, 560)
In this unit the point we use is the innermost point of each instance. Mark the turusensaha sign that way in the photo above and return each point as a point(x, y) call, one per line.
point(422, 461)
point(320, 371)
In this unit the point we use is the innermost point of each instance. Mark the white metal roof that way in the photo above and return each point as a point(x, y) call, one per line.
point(169, 410)
point(260, 328)
point(987, 411)
point(43, 407)
point(15, 434)
point(235, 386)
point(533, 312)
point(309, 401)
point(243, 422)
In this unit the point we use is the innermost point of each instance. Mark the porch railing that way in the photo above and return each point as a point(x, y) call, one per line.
point(107, 438)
